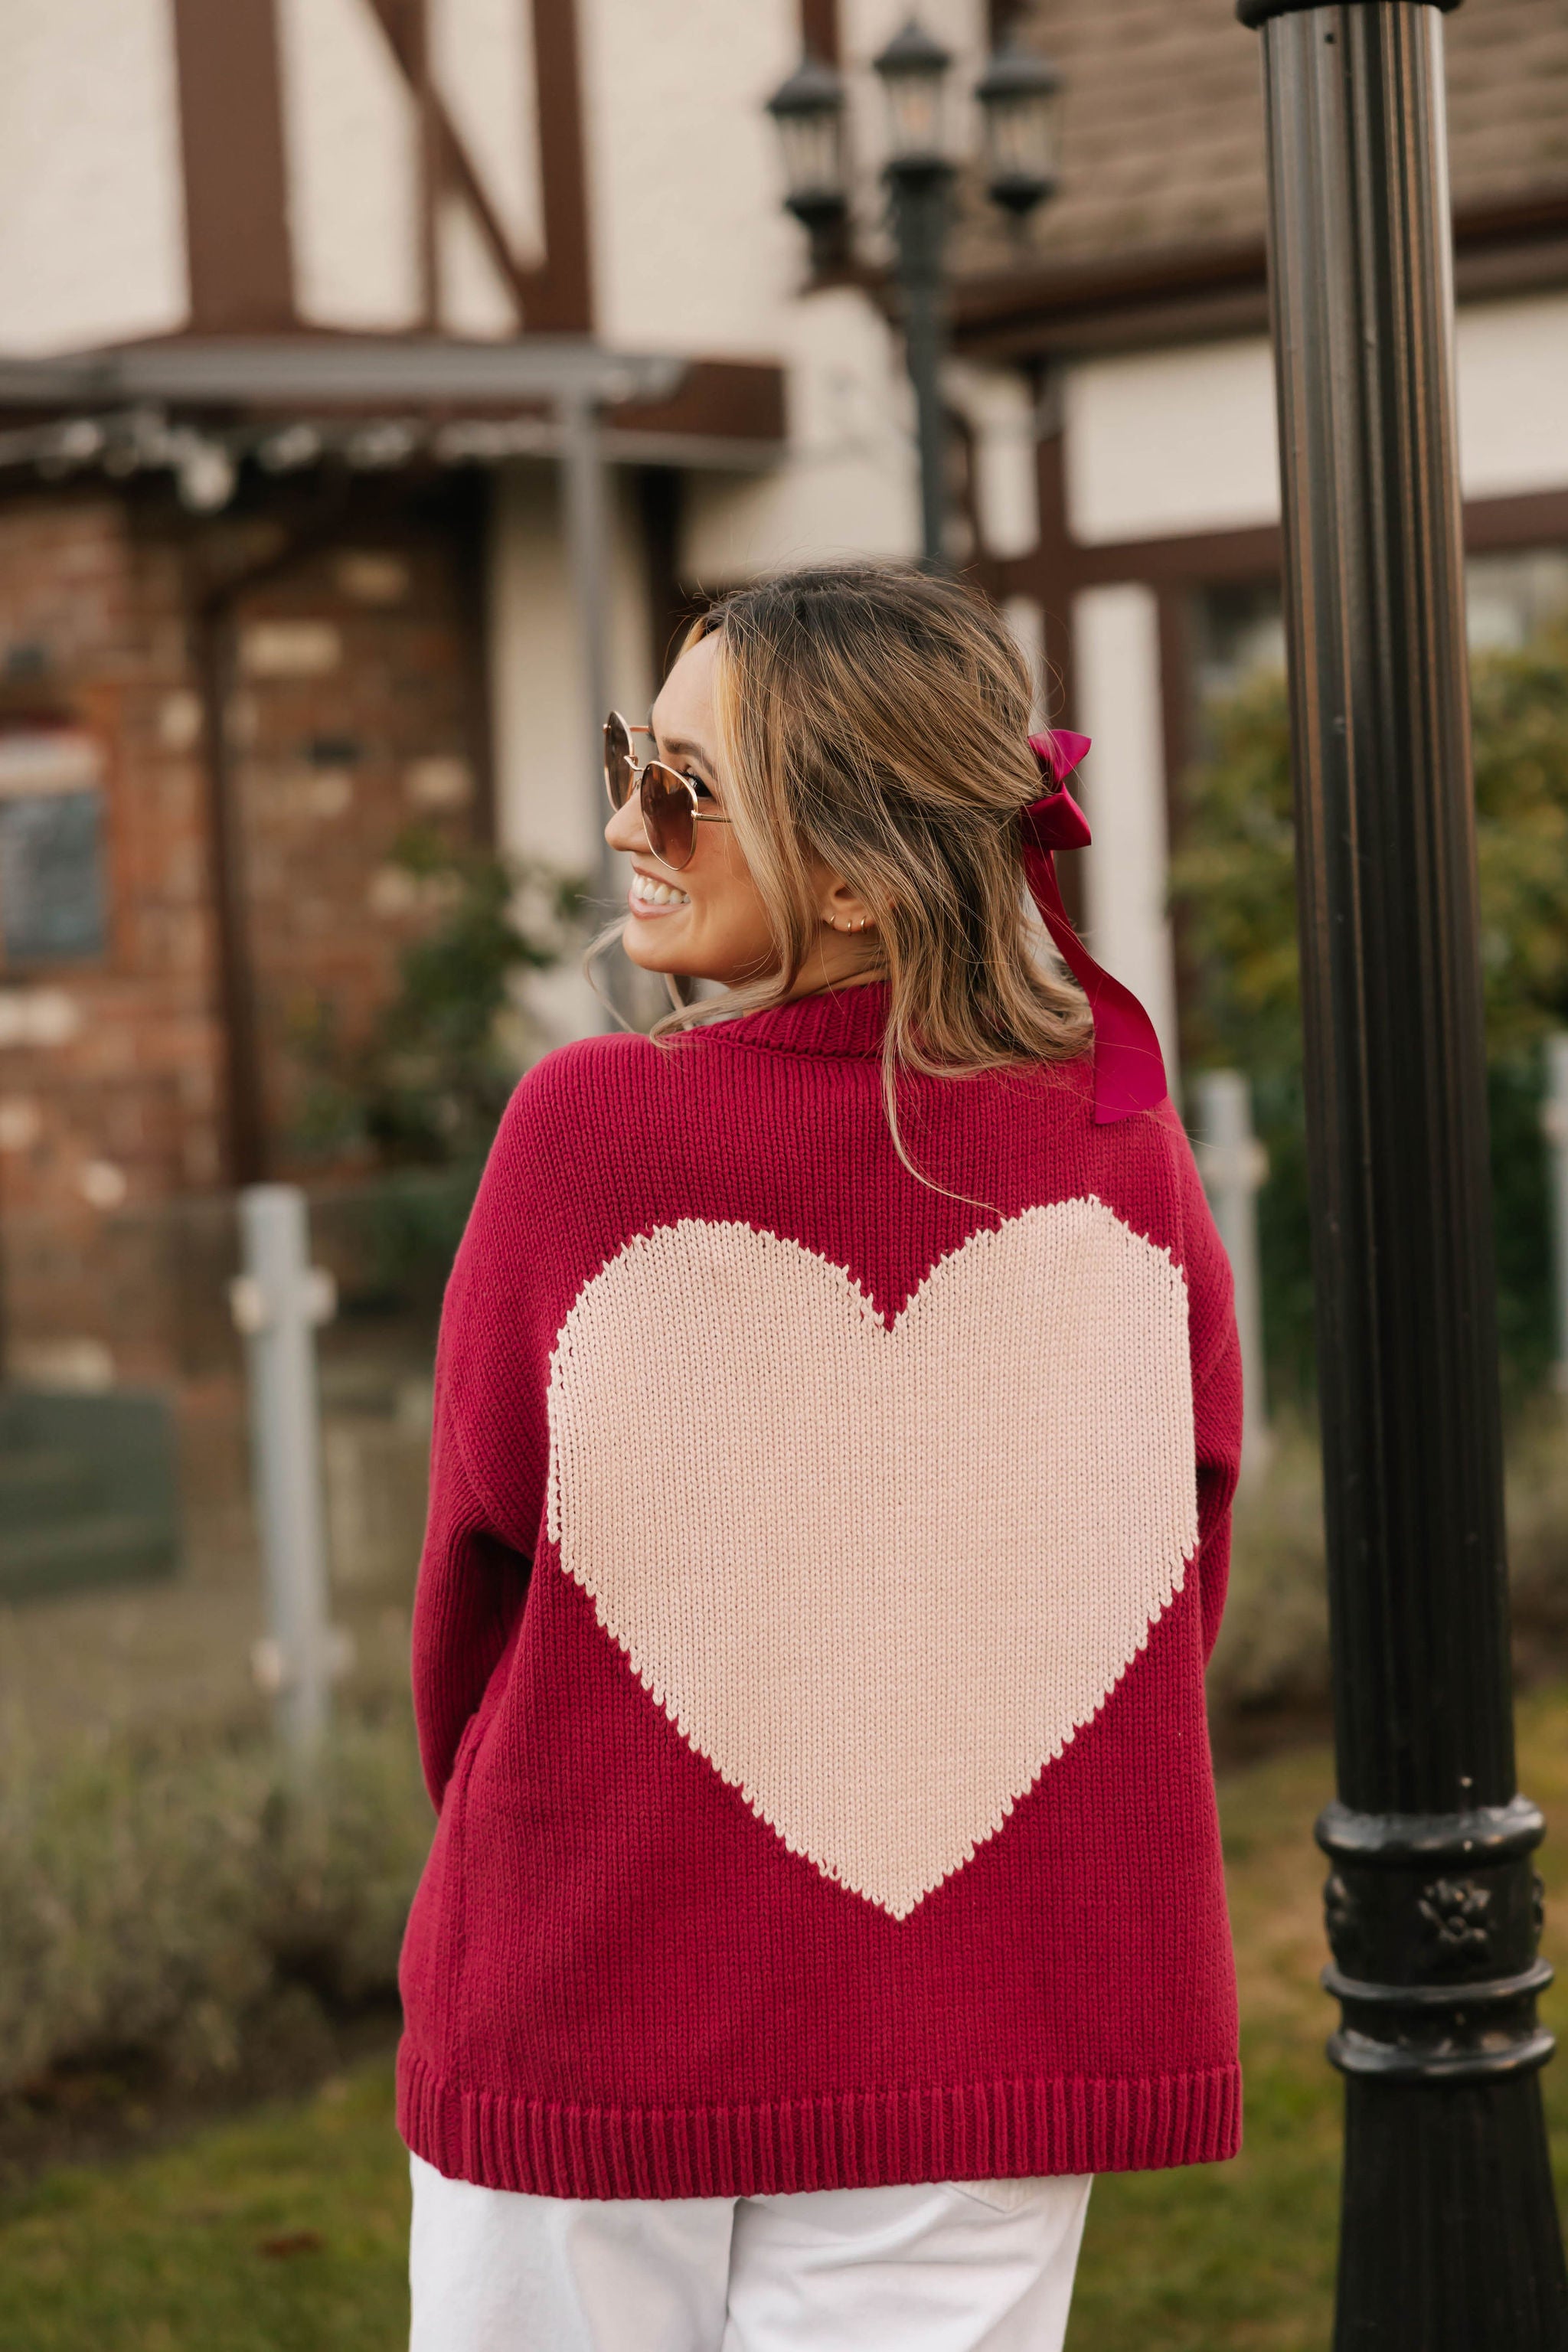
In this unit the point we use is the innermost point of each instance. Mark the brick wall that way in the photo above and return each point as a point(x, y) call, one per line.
point(110, 1067)
point(354, 712)
point(353, 719)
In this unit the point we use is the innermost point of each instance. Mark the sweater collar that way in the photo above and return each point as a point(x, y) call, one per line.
point(846, 1022)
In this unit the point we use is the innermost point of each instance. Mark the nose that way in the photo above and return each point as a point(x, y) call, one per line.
point(624, 830)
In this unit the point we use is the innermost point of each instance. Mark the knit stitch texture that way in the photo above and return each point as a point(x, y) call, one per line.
point(808, 1652)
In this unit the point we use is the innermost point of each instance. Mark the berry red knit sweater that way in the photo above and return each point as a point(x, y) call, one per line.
point(831, 1804)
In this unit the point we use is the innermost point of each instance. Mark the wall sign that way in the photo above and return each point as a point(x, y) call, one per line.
point(53, 901)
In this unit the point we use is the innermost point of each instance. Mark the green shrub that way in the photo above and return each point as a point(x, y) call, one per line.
point(426, 1085)
point(1234, 883)
point(157, 1900)
point(416, 1098)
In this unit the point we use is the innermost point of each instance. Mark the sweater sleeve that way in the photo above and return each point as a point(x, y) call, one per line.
point(472, 1590)
point(487, 1449)
point(1216, 1388)
point(1217, 1420)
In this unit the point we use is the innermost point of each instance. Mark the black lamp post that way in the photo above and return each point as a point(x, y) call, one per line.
point(1018, 97)
point(914, 70)
point(1450, 2240)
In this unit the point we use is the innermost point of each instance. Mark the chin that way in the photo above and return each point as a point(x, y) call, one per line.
point(650, 955)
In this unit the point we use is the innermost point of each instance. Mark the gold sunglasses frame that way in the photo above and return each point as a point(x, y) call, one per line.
point(699, 815)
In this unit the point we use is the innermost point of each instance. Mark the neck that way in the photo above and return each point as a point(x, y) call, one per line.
point(840, 960)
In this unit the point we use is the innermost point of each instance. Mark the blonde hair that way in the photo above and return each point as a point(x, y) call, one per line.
point(877, 718)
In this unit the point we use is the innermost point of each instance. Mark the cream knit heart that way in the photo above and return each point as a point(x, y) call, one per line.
point(879, 1574)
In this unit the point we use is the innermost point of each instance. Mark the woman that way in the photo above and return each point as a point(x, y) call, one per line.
point(826, 1882)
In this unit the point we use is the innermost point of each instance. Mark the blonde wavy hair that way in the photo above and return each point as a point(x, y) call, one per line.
point(877, 718)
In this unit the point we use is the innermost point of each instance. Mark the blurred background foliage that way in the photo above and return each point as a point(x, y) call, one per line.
point(415, 1100)
point(1233, 885)
point(177, 1902)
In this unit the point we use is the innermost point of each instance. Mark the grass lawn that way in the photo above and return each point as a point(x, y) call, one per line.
point(283, 2230)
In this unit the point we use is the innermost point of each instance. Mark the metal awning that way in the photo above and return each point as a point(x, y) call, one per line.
point(325, 372)
point(201, 408)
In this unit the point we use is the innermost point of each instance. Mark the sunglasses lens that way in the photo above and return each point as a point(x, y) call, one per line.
point(667, 815)
point(619, 768)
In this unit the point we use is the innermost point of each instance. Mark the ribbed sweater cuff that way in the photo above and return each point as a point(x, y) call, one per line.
point(971, 2131)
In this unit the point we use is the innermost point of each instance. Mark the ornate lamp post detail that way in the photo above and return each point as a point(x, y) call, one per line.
point(1451, 2238)
point(1018, 96)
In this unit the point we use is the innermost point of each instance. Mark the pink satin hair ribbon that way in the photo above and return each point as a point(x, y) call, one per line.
point(1129, 1069)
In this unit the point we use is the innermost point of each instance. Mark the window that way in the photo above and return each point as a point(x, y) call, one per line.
point(1240, 631)
point(52, 896)
point(1513, 597)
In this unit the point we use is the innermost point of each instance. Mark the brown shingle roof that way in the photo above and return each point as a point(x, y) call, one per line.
point(1163, 139)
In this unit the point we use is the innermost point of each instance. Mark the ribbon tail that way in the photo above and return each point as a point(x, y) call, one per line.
point(1129, 1067)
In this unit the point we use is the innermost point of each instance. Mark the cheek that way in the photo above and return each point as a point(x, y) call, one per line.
point(729, 915)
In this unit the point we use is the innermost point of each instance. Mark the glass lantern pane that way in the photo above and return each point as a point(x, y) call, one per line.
point(813, 152)
point(915, 113)
point(1022, 135)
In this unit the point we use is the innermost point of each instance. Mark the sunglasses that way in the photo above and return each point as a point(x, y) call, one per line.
point(667, 802)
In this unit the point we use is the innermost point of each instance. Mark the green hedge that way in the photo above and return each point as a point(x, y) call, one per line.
point(161, 1899)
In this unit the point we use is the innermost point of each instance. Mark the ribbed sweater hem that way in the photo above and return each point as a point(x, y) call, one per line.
point(967, 2131)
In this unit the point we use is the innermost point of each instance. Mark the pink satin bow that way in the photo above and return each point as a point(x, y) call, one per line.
point(1129, 1068)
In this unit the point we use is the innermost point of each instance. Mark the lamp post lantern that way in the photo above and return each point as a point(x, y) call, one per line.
point(1018, 96)
point(1449, 2236)
point(914, 70)
point(808, 113)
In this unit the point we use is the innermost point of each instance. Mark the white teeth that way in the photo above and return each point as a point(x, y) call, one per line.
point(657, 894)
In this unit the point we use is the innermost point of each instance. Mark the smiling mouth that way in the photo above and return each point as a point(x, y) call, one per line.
point(650, 897)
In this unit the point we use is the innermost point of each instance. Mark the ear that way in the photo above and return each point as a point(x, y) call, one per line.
point(840, 908)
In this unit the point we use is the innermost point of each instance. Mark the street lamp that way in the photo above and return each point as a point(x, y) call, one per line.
point(1449, 2238)
point(913, 69)
point(808, 110)
point(1019, 99)
point(1020, 96)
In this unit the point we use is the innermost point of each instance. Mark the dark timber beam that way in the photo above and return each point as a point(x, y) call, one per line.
point(819, 33)
point(231, 146)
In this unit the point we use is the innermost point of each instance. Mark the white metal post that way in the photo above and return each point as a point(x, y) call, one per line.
point(277, 1302)
point(1554, 1119)
point(1235, 1165)
point(586, 513)
point(1117, 699)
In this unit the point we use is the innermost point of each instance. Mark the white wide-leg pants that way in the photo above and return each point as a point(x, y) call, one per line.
point(985, 2266)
